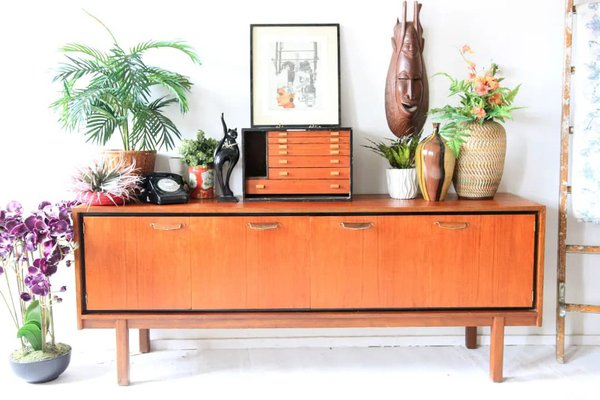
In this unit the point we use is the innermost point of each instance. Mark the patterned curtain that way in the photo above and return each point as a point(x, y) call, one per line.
point(585, 173)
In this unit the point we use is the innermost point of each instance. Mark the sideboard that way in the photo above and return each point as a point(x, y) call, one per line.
point(369, 262)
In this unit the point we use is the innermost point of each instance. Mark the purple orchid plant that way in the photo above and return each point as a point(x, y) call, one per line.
point(32, 247)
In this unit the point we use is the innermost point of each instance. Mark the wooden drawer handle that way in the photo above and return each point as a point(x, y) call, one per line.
point(356, 226)
point(282, 140)
point(260, 186)
point(334, 186)
point(336, 133)
point(334, 146)
point(161, 227)
point(283, 161)
point(452, 225)
point(334, 161)
point(334, 140)
point(263, 227)
point(334, 152)
point(282, 152)
point(283, 173)
point(282, 133)
point(334, 173)
point(283, 146)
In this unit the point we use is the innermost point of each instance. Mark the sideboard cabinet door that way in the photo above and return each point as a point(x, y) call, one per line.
point(140, 263)
point(344, 262)
point(457, 261)
point(250, 263)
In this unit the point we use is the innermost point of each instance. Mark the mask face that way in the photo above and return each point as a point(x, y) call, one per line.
point(407, 91)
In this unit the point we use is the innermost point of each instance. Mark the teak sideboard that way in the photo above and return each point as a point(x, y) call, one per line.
point(369, 262)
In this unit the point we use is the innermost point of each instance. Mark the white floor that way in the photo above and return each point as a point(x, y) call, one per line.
point(531, 372)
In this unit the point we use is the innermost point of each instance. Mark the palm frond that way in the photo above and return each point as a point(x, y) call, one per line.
point(178, 84)
point(81, 48)
point(101, 124)
point(77, 68)
point(176, 44)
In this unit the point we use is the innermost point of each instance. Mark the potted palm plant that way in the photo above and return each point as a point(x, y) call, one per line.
point(199, 155)
point(400, 154)
point(105, 91)
point(32, 248)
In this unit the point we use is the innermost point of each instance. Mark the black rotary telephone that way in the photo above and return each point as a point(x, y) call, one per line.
point(164, 188)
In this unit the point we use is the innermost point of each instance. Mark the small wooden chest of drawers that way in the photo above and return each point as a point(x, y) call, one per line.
point(296, 164)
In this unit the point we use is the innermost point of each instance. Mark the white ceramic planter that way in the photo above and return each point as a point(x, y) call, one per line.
point(402, 183)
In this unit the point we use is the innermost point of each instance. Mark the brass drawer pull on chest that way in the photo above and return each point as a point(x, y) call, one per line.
point(334, 173)
point(356, 226)
point(263, 227)
point(452, 225)
point(260, 186)
point(283, 173)
point(160, 227)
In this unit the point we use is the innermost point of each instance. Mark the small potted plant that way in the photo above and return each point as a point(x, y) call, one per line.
point(32, 248)
point(199, 155)
point(103, 91)
point(400, 154)
point(104, 183)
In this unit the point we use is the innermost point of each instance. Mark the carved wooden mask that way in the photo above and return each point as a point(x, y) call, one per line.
point(407, 89)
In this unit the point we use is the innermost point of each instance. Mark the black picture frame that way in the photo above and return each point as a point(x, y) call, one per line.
point(295, 75)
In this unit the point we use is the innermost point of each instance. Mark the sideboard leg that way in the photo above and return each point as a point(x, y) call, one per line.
point(122, 352)
point(471, 337)
point(144, 340)
point(497, 349)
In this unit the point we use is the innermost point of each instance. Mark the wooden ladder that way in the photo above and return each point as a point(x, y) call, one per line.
point(562, 307)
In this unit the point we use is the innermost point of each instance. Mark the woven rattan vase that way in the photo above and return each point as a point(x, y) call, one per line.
point(480, 165)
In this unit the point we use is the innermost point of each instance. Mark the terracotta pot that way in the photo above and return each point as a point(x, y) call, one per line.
point(201, 181)
point(480, 165)
point(144, 160)
point(402, 183)
point(435, 166)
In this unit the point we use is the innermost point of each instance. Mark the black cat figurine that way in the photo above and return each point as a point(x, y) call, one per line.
point(227, 152)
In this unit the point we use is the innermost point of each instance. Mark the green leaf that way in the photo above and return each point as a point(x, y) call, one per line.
point(32, 332)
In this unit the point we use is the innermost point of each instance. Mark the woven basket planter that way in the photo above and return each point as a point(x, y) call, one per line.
point(144, 160)
point(480, 165)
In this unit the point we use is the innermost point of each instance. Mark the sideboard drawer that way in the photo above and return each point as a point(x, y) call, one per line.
point(315, 149)
point(297, 186)
point(309, 173)
point(310, 134)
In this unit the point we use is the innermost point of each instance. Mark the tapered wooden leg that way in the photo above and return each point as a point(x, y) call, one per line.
point(144, 340)
point(560, 337)
point(471, 337)
point(122, 352)
point(497, 349)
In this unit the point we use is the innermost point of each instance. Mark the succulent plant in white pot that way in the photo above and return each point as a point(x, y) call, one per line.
point(400, 154)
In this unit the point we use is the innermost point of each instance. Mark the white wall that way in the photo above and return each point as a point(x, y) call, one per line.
point(524, 36)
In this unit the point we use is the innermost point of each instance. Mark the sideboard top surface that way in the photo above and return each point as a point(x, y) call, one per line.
point(367, 203)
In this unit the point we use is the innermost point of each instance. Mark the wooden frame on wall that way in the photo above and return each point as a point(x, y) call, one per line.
point(295, 75)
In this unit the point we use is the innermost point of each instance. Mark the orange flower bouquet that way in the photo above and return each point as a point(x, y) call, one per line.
point(481, 99)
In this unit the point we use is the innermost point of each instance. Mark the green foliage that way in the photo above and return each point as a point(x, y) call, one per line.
point(400, 153)
point(105, 91)
point(481, 99)
point(199, 151)
point(32, 326)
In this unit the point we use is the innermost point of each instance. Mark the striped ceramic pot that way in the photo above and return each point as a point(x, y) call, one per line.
point(480, 164)
point(435, 166)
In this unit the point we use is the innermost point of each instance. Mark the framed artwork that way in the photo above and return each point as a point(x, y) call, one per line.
point(295, 75)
